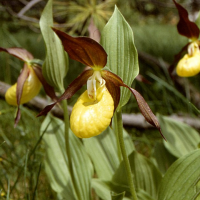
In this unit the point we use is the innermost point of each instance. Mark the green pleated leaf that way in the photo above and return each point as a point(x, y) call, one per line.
point(163, 158)
point(117, 39)
point(145, 175)
point(55, 66)
point(181, 138)
point(197, 22)
point(181, 182)
point(119, 196)
point(104, 152)
point(56, 161)
point(103, 190)
point(142, 195)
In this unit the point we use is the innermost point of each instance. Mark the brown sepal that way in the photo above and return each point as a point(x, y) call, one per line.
point(185, 26)
point(48, 88)
point(70, 91)
point(20, 84)
point(83, 49)
point(20, 53)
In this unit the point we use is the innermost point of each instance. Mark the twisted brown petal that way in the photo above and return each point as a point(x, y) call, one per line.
point(114, 91)
point(20, 84)
point(48, 88)
point(20, 53)
point(142, 104)
point(146, 110)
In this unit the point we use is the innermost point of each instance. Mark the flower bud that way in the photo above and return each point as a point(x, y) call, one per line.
point(31, 88)
point(90, 117)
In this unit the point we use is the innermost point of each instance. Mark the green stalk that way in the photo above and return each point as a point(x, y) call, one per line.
point(124, 154)
point(117, 138)
point(67, 143)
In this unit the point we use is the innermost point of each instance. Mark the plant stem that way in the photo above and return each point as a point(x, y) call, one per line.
point(117, 138)
point(67, 143)
point(124, 154)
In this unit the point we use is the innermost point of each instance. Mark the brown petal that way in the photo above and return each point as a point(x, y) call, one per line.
point(20, 84)
point(20, 53)
point(48, 88)
point(83, 49)
point(70, 91)
point(18, 116)
point(146, 110)
point(114, 91)
point(185, 26)
point(107, 75)
point(143, 106)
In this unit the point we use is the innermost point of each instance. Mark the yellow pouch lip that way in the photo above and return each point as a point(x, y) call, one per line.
point(91, 117)
point(31, 88)
point(189, 65)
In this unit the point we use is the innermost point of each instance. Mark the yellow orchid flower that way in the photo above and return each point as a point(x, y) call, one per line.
point(189, 65)
point(94, 109)
point(29, 81)
point(31, 88)
point(90, 117)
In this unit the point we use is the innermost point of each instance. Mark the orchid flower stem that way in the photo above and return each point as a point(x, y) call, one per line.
point(67, 143)
point(124, 154)
point(117, 137)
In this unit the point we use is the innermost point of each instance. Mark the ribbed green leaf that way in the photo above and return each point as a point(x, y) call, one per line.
point(117, 39)
point(56, 162)
point(55, 66)
point(145, 175)
point(198, 20)
point(181, 182)
point(119, 196)
point(104, 152)
point(163, 158)
point(142, 195)
point(103, 189)
point(181, 138)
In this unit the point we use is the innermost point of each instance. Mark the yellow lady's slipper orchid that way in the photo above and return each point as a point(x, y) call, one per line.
point(94, 109)
point(189, 65)
point(29, 81)
point(31, 88)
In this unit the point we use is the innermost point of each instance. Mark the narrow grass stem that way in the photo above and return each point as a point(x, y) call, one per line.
point(68, 151)
point(124, 154)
